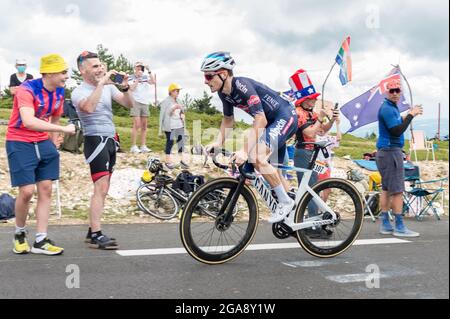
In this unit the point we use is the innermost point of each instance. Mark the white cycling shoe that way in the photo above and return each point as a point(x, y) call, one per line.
point(283, 209)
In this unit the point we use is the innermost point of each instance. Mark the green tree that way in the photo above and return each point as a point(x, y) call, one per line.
point(7, 93)
point(203, 105)
point(120, 64)
point(187, 101)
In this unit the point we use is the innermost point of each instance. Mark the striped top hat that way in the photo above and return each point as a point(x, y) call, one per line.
point(302, 87)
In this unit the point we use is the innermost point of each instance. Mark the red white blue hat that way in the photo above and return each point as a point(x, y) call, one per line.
point(302, 87)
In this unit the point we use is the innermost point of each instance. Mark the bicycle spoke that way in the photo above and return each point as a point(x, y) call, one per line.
point(214, 238)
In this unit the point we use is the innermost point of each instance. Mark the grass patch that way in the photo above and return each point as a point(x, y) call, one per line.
point(350, 145)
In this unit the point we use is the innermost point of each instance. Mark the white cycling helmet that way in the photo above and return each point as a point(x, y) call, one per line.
point(216, 61)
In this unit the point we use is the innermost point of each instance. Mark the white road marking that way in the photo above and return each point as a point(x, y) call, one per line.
point(175, 251)
point(349, 278)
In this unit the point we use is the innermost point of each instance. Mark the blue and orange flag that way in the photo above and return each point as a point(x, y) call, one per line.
point(344, 60)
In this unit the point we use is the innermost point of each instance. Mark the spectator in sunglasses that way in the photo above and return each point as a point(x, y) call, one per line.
point(390, 159)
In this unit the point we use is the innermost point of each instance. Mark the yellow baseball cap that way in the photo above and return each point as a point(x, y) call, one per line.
point(174, 86)
point(52, 63)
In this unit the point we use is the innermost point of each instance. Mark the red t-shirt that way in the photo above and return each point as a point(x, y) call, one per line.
point(306, 117)
point(45, 103)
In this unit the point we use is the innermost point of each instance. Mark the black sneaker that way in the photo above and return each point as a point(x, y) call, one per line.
point(46, 247)
point(103, 242)
point(88, 238)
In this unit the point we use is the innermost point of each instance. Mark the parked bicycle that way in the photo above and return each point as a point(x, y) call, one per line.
point(323, 229)
point(159, 198)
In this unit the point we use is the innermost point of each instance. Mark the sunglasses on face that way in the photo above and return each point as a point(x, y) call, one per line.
point(210, 76)
point(86, 55)
point(392, 91)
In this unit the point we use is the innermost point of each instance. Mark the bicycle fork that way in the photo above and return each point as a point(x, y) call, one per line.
point(225, 216)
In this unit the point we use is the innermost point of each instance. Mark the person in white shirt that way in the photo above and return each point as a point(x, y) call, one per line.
point(141, 90)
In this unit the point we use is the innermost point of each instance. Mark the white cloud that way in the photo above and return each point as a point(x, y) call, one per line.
point(269, 40)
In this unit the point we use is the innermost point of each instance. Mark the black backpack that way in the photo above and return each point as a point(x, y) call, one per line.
point(7, 206)
point(187, 182)
point(72, 143)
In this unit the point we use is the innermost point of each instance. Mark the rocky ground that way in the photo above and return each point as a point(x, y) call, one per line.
point(76, 186)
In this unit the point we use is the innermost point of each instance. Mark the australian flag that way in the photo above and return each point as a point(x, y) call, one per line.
point(363, 110)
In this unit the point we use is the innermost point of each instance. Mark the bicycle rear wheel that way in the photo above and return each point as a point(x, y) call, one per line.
point(156, 201)
point(205, 236)
point(331, 240)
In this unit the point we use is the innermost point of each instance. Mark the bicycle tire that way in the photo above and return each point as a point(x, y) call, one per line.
point(188, 224)
point(165, 205)
point(320, 249)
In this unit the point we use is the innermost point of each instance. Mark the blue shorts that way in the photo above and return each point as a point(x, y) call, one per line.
point(279, 131)
point(390, 164)
point(31, 163)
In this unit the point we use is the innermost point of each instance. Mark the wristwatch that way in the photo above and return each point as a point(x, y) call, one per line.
point(124, 90)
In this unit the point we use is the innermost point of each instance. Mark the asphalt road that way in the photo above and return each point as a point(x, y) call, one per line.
point(415, 268)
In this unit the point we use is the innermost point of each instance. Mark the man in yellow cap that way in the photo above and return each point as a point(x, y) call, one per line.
point(171, 121)
point(31, 145)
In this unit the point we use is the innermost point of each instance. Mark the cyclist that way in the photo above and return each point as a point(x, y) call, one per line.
point(275, 121)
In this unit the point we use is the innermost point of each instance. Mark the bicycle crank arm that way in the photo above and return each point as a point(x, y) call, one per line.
point(310, 224)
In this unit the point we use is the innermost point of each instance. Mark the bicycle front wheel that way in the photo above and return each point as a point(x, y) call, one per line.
point(206, 236)
point(333, 239)
point(157, 202)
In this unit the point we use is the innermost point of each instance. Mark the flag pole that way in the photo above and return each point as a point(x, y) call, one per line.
point(410, 98)
point(323, 86)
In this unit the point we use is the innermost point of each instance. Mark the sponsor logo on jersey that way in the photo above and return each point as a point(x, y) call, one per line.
point(253, 100)
point(276, 131)
point(241, 87)
point(271, 101)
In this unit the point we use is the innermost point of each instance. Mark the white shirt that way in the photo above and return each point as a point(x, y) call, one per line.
point(143, 91)
point(175, 120)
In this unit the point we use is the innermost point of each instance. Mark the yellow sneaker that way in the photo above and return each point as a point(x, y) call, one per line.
point(46, 247)
point(21, 244)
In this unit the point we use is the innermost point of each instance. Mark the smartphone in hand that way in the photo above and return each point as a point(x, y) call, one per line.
point(117, 78)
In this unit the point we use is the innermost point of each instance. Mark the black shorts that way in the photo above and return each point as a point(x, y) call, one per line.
point(103, 163)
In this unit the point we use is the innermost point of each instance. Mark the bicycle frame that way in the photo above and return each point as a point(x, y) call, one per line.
point(266, 194)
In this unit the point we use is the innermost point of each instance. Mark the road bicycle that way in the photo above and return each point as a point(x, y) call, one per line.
point(326, 218)
point(160, 199)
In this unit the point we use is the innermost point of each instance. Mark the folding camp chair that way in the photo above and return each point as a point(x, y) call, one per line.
point(424, 192)
point(372, 197)
point(421, 143)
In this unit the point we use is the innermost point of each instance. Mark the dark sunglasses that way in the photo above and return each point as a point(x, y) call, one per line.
point(86, 55)
point(209, 77)
point(392, 91)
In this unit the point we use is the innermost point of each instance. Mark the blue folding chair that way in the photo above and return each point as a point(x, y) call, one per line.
point(420, 198)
